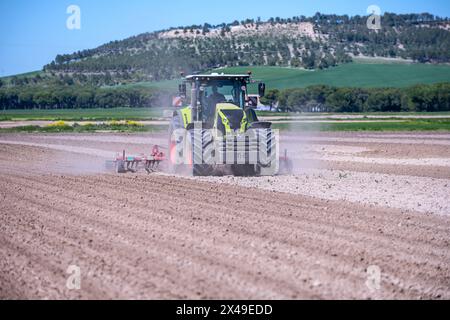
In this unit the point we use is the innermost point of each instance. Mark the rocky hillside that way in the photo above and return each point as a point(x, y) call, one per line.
point(321, 41)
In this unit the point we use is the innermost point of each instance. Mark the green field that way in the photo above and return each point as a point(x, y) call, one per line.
point(367, 73)
point(374, 74)
point(83, 114)
point(411, 125)
point(350, 75)
point(391, 115)
point(90, 128)
point(364, 74)
point(152, 114)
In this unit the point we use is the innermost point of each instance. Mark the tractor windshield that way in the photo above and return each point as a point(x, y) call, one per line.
point(221, 91)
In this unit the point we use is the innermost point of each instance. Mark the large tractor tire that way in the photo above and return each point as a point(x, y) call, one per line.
point(189, 140)
point(204, 139)
point(243, 170)
point(265, 167)
point(270, 166)
point(202, 170)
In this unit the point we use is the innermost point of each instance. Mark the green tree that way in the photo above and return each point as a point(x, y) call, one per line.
point(346, 100)
point(271, 98)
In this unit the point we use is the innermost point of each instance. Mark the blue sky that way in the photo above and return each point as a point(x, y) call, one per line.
point(34, 32)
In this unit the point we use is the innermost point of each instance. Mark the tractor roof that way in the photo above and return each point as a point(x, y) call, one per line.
point(216, 76)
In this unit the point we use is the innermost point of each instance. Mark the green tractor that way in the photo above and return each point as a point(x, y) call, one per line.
point(216, 130)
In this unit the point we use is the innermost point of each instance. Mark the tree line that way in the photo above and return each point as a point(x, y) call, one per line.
point(80, 97)
point(418, 98)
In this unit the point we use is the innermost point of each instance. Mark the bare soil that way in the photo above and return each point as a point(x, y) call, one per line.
point(312, 234)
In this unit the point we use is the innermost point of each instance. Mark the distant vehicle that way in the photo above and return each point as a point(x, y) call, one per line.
point(255, 102)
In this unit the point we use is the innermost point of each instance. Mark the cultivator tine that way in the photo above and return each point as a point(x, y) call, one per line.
point(147, 167)
point(133, 163)
point(131, 166)
point(155, 165)
point(151, 166)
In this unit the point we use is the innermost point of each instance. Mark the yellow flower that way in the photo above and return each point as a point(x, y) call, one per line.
point(58, 124)
point(133, 123)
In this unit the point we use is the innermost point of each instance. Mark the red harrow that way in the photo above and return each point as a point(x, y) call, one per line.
point(124, 163)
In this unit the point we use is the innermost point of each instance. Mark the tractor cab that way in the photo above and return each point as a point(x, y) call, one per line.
point(219, 101)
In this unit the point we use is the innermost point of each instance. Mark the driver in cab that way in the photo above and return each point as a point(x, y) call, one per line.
point(215, 98)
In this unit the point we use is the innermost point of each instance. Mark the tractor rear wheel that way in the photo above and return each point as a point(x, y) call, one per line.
point(243, 170)
point(202, 170)
point(270, 165)
point(204, 139)
point(189, 144)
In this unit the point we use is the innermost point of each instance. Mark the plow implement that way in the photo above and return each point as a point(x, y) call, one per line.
point(124, 163)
